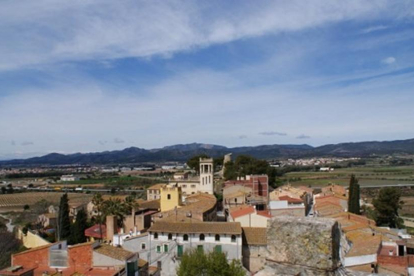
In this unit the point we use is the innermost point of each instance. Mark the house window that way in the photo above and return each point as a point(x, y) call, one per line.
point(155, 236)
point(165, 247)
point(202, 237)
point(217, 237)
point(169, 236)
point(185, 238)
point(143, 246)
point(233, 238)
point(200, 248)
point(168, 196)
point(158, 248)
point(193, 186)
point(217, 248)
point(184, 186)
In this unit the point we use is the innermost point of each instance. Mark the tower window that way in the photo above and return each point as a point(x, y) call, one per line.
point(168, 196)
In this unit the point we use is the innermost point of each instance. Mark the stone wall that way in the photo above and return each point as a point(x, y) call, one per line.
point(302, 246)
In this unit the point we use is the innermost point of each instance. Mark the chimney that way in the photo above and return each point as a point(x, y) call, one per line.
point(111, 227)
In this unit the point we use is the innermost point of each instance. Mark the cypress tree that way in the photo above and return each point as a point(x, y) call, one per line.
point(63, 218)
point(77, 234)
point(350, 194)
point(354, 194)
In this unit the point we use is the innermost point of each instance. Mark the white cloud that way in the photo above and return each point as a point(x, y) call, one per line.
point(374, 29)
point(272, 133)
point(388, 60)
point(46, 31)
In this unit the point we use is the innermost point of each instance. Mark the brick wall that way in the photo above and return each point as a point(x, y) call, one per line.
point(35, 257)
point(80, 257)
point(393, 260)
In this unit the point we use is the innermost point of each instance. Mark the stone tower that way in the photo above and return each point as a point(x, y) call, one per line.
point(206, 175)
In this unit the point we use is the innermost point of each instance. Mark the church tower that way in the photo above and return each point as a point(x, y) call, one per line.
point(206, 175)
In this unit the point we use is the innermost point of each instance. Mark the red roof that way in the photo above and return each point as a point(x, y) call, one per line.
point(242, 212)
point(94, 231)
point(264, 213)
point(291, 199)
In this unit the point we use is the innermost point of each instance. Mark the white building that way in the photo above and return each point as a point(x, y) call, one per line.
point(69, 177)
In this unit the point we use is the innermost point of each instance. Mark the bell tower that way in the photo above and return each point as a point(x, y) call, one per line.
point(206, 175)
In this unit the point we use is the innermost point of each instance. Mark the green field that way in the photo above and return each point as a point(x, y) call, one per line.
point(118, 181)
point(366, 176)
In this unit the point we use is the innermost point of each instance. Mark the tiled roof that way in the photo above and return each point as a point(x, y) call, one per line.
point(113, 252)
point(290, 199)
point(94, 231)
point(200, 203)
point(264, 213)
point(243, 212)
point(151, 204)
point(255, 235)
point(157, 186)
point(142, 263)
point(363, 243)
point(197, 227)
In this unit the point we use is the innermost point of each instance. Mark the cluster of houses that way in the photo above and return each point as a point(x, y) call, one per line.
point(184, 215)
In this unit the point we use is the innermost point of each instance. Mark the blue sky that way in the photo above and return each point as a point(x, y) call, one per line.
point(81, 76)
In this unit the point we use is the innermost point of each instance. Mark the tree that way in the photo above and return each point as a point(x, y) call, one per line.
point(196, 262)
point(353, 196)
point(77, 234)
point(387, 204)
point(98, 201)
point(8, 246)
point(63, 218)
point(115, 207)
point(194, 162)
point(130, 203)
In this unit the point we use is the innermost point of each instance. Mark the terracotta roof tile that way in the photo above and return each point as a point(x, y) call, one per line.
point(255, 235)
point(117, 253)
point(94, 231)
point(197, 227)
point(243, 212)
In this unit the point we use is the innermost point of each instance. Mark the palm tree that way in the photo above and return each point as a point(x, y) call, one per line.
point(98, 201)
point(129, 204)
point(115, 207)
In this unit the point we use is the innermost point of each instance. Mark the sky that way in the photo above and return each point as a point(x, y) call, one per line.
point(89, 75)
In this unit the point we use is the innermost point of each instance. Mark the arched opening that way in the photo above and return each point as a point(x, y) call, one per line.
point(155, 236)
point(169, 236)
point(233, 238)
point(185, 238)
point(202, 237)
point(217, 237)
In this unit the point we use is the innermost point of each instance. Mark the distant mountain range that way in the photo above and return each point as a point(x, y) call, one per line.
point(183, 152)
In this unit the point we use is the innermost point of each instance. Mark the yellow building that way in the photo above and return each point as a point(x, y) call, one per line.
point(171, 197)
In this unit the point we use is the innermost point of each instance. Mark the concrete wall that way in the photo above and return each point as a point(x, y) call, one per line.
point(254, 257)
point(252, 220)
point(31, 240)
point(360, 260)
point(169, 260)
point(102, 260)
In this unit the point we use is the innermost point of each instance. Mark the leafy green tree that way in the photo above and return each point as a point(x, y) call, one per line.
point(194, 162)
point(129, 204)
point(9, 245)
point(77, 234)
point(230, 171)
point(387, 204)
point(63, 218)
point(354, 196)
point(198, 263)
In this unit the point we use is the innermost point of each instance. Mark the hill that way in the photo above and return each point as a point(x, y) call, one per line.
point(183, 152)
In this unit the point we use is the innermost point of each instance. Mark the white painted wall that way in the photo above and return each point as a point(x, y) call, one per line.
point(360, 260)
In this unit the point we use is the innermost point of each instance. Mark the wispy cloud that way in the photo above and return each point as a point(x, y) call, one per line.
point(118, 141)
point(303, 136)
point(242, 137)
point(374, 29)
point(102, 142)
point(103, 30)
point(27, 143)
point(388, 60)
point(272, 133)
